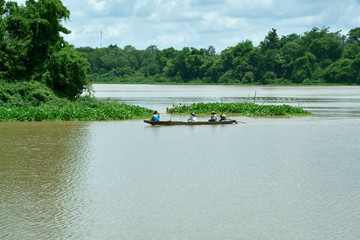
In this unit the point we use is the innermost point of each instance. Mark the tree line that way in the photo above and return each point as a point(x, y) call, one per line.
point(315, 57)
point(33, 49)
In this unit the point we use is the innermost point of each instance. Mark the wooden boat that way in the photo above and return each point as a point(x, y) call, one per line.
point(170, 123)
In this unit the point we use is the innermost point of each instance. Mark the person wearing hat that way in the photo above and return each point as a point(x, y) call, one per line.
point(222, 117)
point(155, 117)
point(214, 117)
point(192, 117)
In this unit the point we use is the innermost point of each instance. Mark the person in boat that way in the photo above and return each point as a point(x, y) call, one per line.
point(192, 118)
point(214, 117)
point(155, 117)
point(222, 117)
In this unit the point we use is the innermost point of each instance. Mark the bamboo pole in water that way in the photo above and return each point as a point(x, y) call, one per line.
point(221, 106)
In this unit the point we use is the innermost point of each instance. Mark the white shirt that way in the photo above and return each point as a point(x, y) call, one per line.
point(192, 119)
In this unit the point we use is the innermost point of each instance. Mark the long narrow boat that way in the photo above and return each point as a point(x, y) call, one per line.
point(170, 123)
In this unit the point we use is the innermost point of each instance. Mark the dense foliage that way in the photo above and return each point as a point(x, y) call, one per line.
point(33, 101)
point(316, 57)
point(32, 48)
point(41, 75)
point(246, 109)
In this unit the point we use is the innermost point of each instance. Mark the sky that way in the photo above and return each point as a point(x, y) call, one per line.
point(200, 23)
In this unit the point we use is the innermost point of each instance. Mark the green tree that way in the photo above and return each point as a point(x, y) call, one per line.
point(271, 41)
point(303, 68)
point(341, 71)
point(194, 60)
point(327, 48)
point(45, 23)
point(211, 52)
point(179, 63)
point(248, 77)
point(227, 58)
point(162, 57)
point(2, 5)
point(14, 43)
point(132, 55)
point(269, 77)
point(229, 77)
point(308, 37)
point(293, 37)
point(270, 49)
point(32, 48)
point(352, 51)
point(354, 35)
point(212, 69)
point(66, 72)
point(149, 65)
point(290, 52)
point(356, 66)
point(257, 61)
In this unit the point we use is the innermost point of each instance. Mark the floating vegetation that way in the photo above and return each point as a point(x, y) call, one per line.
point(113, 111)
point(84, 109)
point(33, 101)
point(246, 109)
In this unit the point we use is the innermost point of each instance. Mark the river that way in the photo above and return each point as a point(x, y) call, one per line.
point(271, 178)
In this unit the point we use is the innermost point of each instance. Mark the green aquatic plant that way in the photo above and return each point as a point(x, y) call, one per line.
point(246, 109)
point(33, 101)
point(112, 111)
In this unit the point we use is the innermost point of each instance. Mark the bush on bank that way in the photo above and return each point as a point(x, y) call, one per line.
point(246, 109)
point(33, 101)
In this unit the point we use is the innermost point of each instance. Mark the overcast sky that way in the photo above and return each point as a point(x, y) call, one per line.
point(200, 23)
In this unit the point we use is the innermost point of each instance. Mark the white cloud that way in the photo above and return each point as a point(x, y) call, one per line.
point(118, 30)
point(252, 4)
point(179, 38)
point(201, 23)
point(97, 5)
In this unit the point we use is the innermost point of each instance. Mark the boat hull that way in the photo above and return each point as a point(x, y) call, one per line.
point(171, 123)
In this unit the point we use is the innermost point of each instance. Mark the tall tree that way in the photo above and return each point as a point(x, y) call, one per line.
point(270, 42)
point(31, 45)
point(327, 48)
point(354, 35)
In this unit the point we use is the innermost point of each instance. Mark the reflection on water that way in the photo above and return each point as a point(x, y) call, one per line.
point(271, 178)
point(41, 175)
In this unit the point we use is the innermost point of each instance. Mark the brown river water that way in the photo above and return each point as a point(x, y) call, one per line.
point(271, 178)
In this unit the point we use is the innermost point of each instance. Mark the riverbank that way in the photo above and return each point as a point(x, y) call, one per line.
point(33, 101)
point(197, 83)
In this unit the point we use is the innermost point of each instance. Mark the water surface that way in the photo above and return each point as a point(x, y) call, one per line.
point(271, 178)
point(321, 100)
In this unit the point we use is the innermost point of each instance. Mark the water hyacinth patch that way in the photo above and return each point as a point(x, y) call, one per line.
point(33, 101)
point(246, 109)
point(122, 111)
point(111, 111)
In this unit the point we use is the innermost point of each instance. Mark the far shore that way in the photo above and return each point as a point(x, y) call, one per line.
point(213, 84)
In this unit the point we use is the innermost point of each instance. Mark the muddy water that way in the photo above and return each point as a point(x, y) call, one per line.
point(321, 100)
point(293, 178)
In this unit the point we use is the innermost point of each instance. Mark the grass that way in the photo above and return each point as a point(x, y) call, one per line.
point(245, 109)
